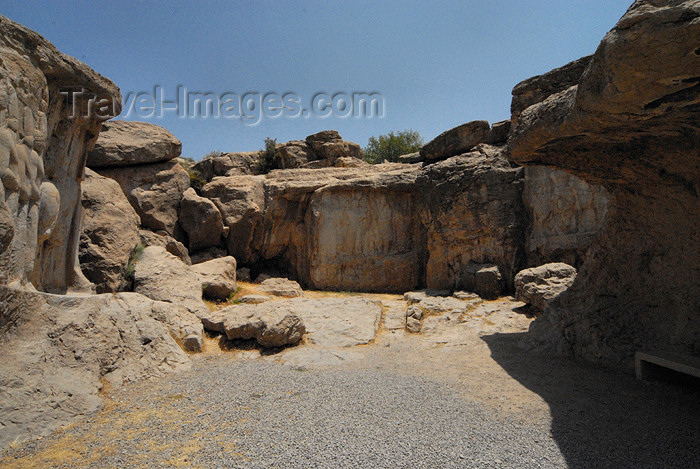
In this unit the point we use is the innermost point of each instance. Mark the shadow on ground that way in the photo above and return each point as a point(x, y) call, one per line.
point(603, 418)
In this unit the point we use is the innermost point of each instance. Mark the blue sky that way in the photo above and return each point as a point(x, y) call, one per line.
point(436, 64)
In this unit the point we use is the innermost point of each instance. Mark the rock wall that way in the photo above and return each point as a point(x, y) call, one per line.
point(565, 214)
point(631, 124)
point(43, 148)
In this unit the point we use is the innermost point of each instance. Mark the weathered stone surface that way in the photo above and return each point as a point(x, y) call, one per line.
point(364, 234)
point(473, 214)
point(254, 299)
point(173, 246)
point(57, 349)
point(201, 221)
point(110, 233)
point(295, 154)
point(412, 297)
point(207, 255)
point(155, 191)
point(161, 276)
point(272, 324)
point(456, 141)
point(42, 154)
point(536, 89)
point(537, 286)
point(328, 145)
point(218, 277)
point(436, 306)
point(483, 279)
point(565, 214)
point(243, 274)
point(411, 158)
point(123, 143)
point(281, 287)
point(630, 124)
point(227, 164)
point(499, 133)
point(339, 322)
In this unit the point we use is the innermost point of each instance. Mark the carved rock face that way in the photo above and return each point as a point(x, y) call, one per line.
point(44, 137)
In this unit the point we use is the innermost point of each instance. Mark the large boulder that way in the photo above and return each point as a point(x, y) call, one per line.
point(155, 191)
point(123, 143)
point(537, 286)
point(294, 154)
point(110, 233)
point(58, 350)
point(271, 324)
point(161, 276)
point(456, 141)
point(631, 125)
point(201, 221)
point(45, 133)
point(218, 277)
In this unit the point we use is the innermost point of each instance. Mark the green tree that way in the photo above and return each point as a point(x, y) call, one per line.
point(392, 145)
point(267, 158)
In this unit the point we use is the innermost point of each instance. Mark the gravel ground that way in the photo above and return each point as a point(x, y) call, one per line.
point(462, 395)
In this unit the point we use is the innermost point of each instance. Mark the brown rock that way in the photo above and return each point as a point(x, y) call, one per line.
point(218, 277)
point(161, 276)
point(201, 220)
point(281, 287)
point(123, 143)
point(536, 89)
point(631, 124)
point(294, 154)
point(537, 286)
point(328, 145)
point(110, 233)
point(42, 155)
point(173, 246)
point(227, 164)
point(155, 191)
point(456, 141)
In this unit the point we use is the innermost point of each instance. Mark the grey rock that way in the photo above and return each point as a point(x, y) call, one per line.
point(456, 141)
point(281, 287)
point(201, 220)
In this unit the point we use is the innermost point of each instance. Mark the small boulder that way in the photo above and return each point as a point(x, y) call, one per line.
point(243, 274)
point(218, 277)
point(123, 143)
point(328, 145)
point(281, 287)
point(539, 285)
point(162, 239)
point(271, 324)
point(483, 279)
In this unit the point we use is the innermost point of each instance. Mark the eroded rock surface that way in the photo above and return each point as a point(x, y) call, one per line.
point(201, 221)
point(110, 233)
point(537, 286)
point(631, 124)
point(155, 191)
point(57, 348)
point(123, 143)
point(218, 277)
point(44, 138)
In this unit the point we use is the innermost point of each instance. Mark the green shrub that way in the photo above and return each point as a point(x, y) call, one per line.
point(392, 145)
point(135, 256)
point(267, 158)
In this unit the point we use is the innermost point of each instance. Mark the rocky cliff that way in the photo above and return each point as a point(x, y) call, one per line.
point(630, 123)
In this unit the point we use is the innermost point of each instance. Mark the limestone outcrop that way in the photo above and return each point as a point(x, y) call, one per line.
point(110, 233)
point(57, 348)
point(46, 130)
point(123, 143)
point(218, 277)
point(630, 123)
